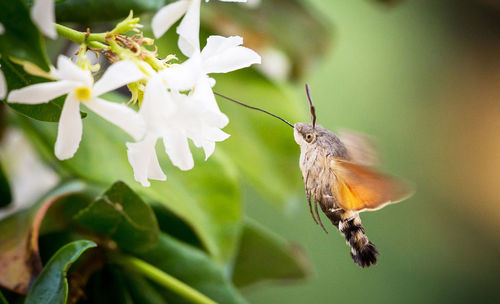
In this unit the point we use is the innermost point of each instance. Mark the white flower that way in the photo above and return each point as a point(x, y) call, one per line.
point(2, 29)
point(78, 84)
point(220, 55)
point(43, 15)
point(189, 27)
point(173, 117)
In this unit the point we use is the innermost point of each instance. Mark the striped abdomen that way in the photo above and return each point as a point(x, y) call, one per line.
point(363, 252)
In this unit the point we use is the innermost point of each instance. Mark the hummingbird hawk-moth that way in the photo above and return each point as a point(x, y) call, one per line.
point(340, 178)
point(337, 178)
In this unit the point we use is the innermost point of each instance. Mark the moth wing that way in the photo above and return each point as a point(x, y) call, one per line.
point(359, 188)
point(361, 148)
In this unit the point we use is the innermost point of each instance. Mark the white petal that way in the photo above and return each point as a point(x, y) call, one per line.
point(217, 44)
point(69, 131)
point(2, 29)
point(216, 134)
point(67, 70)
point(41, 92)
point(43, 15)
point(222, 55)
point(177, 148)
point(156, 106)
point(3, 86)
point(211, 136)
point(217, 119)
point(189, 30)
point(208, 148)
point(167, 16)
point(231, 60)
point(183, 77)
point(142, 157)
point(117, 75)
point(119, 115)
point(203, 92)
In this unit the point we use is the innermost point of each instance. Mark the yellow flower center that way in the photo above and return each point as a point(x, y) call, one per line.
point(83, 93)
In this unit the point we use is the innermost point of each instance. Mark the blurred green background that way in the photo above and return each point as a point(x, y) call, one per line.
point(420, 77)
point(423, 78)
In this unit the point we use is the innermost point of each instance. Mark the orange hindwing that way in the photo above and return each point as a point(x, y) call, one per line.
point(360, 188)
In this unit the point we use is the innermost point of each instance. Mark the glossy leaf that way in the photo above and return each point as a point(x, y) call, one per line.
point(16, 78)
point(194, 268)
point(21, 38)
point(264, 255)
point(89, 11)
point(5, 193)
point(59, 216)
point(51, 286)
point(123, 216)
point(19, 254)
point(206, 197)
point(175, 226)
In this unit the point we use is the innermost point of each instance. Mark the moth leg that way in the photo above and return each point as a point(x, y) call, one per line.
point(310, 208)
point(317, 214)
point(308, 194)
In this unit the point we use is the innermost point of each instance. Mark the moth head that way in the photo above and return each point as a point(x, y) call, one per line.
point(304, 133)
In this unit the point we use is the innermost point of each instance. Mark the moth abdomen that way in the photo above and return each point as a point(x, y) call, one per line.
point(363, 252)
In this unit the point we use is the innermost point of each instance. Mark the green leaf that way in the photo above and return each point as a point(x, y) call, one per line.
point(21, 38)
point(141, 290)
point(122, 216)
point(264, 255)
point(59, 216)
point(3, 300)
point(19, 232)
point(51, 286)
point(174, 226)
point(5, 193)
point(193, 267)
point(206, 197)
point(17, 78)
point(89, 11)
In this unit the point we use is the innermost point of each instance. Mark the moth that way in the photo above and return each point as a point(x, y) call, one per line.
point(340, 177)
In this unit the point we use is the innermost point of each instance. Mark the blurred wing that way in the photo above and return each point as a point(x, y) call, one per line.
point(360, 147)
point(360, 188)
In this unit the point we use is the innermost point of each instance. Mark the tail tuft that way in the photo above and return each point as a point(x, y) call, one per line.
point(366, 256)
point(363, 252)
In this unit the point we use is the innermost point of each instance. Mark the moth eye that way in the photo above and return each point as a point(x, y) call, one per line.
point(309, 137)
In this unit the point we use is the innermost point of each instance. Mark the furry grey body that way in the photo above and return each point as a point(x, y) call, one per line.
point(317, 147)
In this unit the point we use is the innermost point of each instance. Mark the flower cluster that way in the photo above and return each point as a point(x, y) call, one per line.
point(176, 101)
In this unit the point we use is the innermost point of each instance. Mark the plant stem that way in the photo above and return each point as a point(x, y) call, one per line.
point(79, 37)
point(163, 279)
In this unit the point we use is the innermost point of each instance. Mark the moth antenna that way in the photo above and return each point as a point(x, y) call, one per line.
point(253, 108)
point(311, 106)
